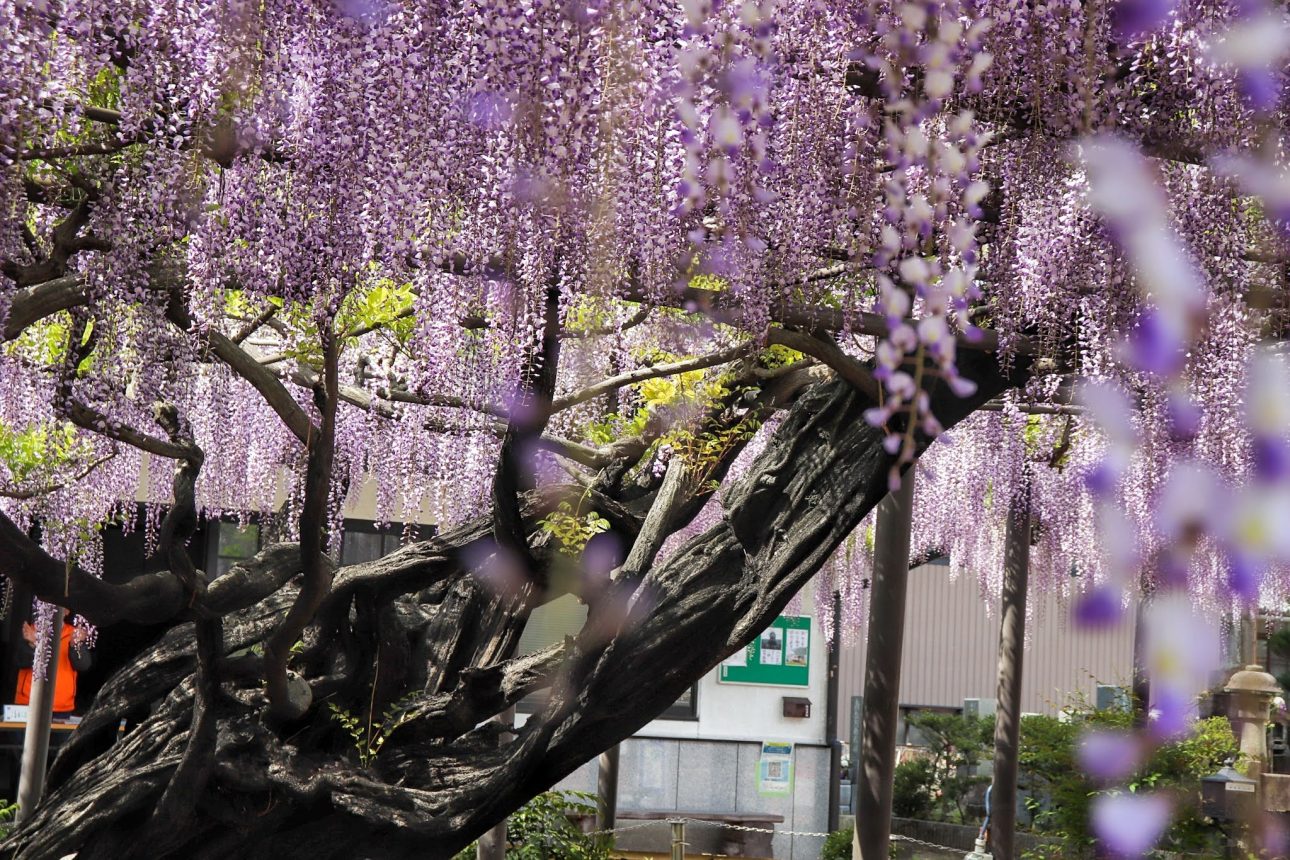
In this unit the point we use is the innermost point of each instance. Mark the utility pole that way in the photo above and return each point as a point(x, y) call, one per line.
point(492, 845)
point(607, 791)
point(882, 670)
point(40, 716)
point(831, 716)
point(1012, 639)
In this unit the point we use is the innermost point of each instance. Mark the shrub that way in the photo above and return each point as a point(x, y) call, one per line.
point(837, 846)
point(541, 830)
point(8, 814)
point(911, 794)
point(1060, 796)
point(956, 746)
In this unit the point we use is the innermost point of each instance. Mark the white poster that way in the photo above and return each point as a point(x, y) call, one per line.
point(771, 647)
point(796, 645)
point(739, 659)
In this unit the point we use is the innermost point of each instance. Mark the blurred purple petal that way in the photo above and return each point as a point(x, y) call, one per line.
point(1245, 576)
point(1155, 346)
point(496, 568)
point(1129, 825)
point(1171, 713)
point(1101, 606)
point(369, 12)
point(603, 553)
point(1109, 756)
point(1271, 458)
point(1134, 19)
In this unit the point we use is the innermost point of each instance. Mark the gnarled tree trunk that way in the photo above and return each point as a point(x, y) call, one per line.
point(417, 628)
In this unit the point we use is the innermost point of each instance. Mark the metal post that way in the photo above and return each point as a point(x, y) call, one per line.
point(492, 845)
point(607, 791)
point(882, 671)
point(40, 715)
point(1012, 640)
point(678, 839)
point(831, 718)
point(857, 723)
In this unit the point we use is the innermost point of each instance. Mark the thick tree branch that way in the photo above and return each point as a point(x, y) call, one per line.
point(146, 599)
point(33, 304)
point(529, 416)
point(831, 354)
point(245, 365)
point(285, 701)
point(91, 419)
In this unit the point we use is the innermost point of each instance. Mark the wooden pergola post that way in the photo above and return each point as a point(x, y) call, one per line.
point(1012, 636)
point(882, 671)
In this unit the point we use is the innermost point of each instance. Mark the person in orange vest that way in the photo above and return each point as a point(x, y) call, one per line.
point(73, 656)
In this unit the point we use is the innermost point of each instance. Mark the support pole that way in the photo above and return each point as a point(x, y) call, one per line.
point(1012, 636)
point(607, 792)
point(40, 715)
point(882, 670)
point(492, 845)
point(831, 716)
point(678, 840)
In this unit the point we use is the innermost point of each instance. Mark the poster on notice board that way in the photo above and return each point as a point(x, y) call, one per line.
point(779, 657)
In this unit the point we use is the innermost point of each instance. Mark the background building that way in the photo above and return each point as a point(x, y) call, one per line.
point(951, 645)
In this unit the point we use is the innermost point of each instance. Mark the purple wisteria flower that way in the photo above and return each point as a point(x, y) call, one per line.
point(1109, 756)
point(1127, 826)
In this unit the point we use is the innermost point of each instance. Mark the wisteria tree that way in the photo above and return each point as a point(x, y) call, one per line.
point(647, 301)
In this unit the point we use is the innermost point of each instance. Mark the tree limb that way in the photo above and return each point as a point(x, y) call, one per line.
point(831, 354)
point(641, 374)
point(33, 304)
point(317, 568)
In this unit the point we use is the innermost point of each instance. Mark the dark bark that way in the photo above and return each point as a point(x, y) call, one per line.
point(1012, 635)
point(882, 671)
point(442, 779)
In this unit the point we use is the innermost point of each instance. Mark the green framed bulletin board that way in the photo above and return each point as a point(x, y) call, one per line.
point(779, 657)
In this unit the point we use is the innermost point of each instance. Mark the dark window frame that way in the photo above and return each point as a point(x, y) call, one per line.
point(391, 535)
point(213, 554)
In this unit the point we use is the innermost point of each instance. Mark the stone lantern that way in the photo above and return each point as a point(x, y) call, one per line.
point(1252, 691)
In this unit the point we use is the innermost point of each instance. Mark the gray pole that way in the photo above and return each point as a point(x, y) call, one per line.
point(40, 715)
point(492, 845)
point(1012, 636)
point(678, 840)
point(607, 791)
point(882, 670)
point(831, 717)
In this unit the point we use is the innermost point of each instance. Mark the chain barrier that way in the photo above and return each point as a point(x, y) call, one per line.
point(896, 837)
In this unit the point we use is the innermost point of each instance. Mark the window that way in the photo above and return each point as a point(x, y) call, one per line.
point(364, 541)
point(562, 617)
point(230, 544)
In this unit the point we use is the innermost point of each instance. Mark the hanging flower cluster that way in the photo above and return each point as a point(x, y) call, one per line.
point(926, 255)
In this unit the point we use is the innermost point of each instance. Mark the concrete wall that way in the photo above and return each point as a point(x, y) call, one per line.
point(681, 775)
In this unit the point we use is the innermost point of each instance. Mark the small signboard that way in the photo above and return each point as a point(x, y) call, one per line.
point(779, 657)
point(775, 769)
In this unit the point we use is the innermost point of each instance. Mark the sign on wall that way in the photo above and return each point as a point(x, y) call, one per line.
point(775, 769)
point(780, 656)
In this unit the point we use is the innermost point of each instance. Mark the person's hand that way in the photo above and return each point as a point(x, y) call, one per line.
point(29, 633)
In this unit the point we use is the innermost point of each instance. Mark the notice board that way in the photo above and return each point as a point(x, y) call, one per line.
point(779, 657)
